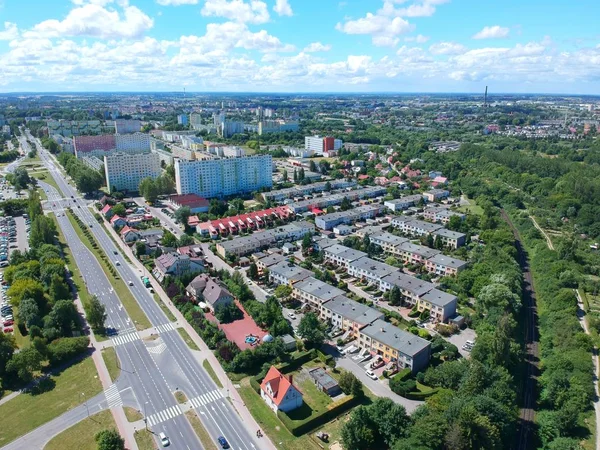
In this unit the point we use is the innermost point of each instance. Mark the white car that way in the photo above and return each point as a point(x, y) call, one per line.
point(131, 283)
point(117, 263)
point(164, 440)
point(371, 375)
point(292, 316)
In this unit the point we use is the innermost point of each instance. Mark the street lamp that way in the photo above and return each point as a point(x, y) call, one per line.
point(86, 405)
point(145, 417)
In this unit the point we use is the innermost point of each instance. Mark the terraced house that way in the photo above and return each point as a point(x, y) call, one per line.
point(444, 265)
point(348, 315)
point(315, 292)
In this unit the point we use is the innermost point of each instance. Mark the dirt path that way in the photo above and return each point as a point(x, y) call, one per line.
point(548, 240)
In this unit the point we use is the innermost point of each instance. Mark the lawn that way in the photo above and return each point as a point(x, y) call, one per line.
point(132, 414)
point(81, 436)
point(75, 273)
point(109, 354)
point(56, 395)
point(316, 400)
point(131, 305)
point(203, 435)
point(145, 440)
point(471, 208)
point(21, 340)
point(271, 425)
point(164, 308)
point(209, 369)
point(188, 340)
point(180, 397)
point(45, 176)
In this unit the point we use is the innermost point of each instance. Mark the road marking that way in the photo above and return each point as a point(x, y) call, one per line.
point(164, 415)
point(206, 398)
point(125, 338)
point(157, 349)
point(113, 396)
point(163, 328)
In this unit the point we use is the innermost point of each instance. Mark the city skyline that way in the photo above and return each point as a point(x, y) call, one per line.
point(289, 46)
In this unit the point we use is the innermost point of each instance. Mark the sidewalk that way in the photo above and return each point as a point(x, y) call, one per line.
point(205, 352)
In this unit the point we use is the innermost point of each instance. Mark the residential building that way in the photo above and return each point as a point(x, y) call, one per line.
point(182, 119)
point(194, 143)
point(129, 234)
point(326, 200)
point(411, 288)
point(348, 315)
point(223, 177)
point(176, 265)
point(277, 126)
point(127, 126)
point(404, 349)
point(403, 203)
point(435, 195)
point(196, 203)
point(440, 304)
point(314, 292)
point(69, 128)
point(322, 145)
point(414, 253)
point(369, 270)
point(449, 238)
point(279, 392)
point(270, 260)
point(215, 295)
point(107, 211)
point(320, 243)
point(414, 227)
point(288, 273)
point(107, 144)
point(244, 222)
point(328, 221)
point(444, 265)
point(442, 215)
point(289, 248)
point(117, 221)
point(387, 241)
point(325, 382)
point(125, 171)
point(196, 121)
point(300, 191)
point(343, 230)
point(341, 255)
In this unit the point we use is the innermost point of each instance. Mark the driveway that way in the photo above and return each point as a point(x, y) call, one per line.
point(459, 340)
point(22, 243)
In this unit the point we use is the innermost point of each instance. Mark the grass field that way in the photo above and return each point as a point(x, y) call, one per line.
point(145, 440)
point(180, 397)
point(56, 395)
point(109, 354)
point(203, 435)
point(164, 308)
point(132, 414)
point(82, 435)
point(188, 340)
point(131, 305)
point(211, 372)
point(471, 208)
point(45, 176)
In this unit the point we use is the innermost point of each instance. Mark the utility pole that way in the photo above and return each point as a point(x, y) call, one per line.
point(86, 405)
point(145, 417)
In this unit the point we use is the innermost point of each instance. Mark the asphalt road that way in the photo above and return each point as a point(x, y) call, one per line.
point(152, 377)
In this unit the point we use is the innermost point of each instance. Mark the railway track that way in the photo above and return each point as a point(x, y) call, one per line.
point(526, 424)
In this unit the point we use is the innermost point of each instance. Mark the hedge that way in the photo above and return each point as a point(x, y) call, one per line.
point(420, 395)
point(298, 428)
point(324, 358)
point(287, 367)
point(403, 375)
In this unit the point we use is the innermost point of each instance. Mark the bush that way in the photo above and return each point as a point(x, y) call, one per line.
point(414, 313)
point(64, 349)
point(402, 387)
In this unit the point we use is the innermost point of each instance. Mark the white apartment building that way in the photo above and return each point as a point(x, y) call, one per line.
point(126, 126)
point(125, 171)
point(320, 144)
point(135, 142)
point(223, 177)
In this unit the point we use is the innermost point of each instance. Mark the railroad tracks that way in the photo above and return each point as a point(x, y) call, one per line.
point(527, 411)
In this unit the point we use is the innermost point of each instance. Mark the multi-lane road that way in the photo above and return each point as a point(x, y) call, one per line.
point(151, 371)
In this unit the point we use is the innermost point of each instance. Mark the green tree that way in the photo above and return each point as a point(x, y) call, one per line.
point(186, 240)
point(306, 243)
point(283, 291)
point(140, 249)
point(312, 166)
point(285, 175)
point(110, 440)
point(29, 313)
point(169, 239)
point(395, 296)
point(346, 204)
point(7, 349)
point(119, 210)
point(312, 330)
point(25, 363)
point(391, 419)
point(148, 190)
point(96, 315)
point(359, 432)
point(182, 215)
point(27, 288)
point(253, 271)
point(63, 317)
point(59, 290)
point(43, 231)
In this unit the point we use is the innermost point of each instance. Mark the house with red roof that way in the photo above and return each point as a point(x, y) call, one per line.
point(279, 392)
point(117, 222)
point(107, 211)
point(129, 234)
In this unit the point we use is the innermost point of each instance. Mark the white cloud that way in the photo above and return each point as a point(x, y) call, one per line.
point(419, 39)
point(283, 8)
point(447, 48)
point(493, 32)
point(383, 29)
point(10, 32)
point(237, 10)
point(316, 47)
point(176, 2)
point(96, 21)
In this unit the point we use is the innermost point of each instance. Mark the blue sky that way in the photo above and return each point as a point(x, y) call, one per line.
point(524, 46)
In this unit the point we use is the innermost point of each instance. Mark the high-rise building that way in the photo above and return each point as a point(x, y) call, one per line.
point(69, 128)
point(196, 121)
point(223, 177)
point(322, 145)
point(275, 126)
point(126, 126)
point(182, 119)
point(106, 144)
point(125, 171)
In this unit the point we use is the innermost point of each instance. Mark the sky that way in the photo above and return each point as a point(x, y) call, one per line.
point(512, 46)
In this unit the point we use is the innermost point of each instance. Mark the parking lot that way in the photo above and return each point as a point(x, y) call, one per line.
point(6, 312)
point(9, 238)
point(459, 340)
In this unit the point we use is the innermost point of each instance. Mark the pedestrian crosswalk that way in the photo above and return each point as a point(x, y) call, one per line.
point(125, 338)
point(206, 398)
point(165, 327)
point(164, 415)
point(113, 397)
point(157, 349)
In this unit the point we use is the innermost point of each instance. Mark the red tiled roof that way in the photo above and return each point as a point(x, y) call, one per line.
point(191, 200)
point(279, 385)
point(106, 209)
point(115, 218)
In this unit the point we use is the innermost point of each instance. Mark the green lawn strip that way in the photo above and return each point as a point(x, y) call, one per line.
point(63, 391)
point(46, 178)
point(132, 414)
point(145, 440)
point(81, 436)
point(270, 424)
point(82, 291)
point(180, 397)
point(203, 435)
point(131, 305)
point(587, 421)
point(166, 310)
point(109, 354)
point(188, 340)
point(211, 372)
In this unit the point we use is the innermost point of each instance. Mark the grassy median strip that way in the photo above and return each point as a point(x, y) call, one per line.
point(180, 397)
point(203, 435)
point(45, 176)
point(164, 308)
point(53, 397)
point(188, 340)
point(132, 414)
point(145, 440)
point(81, 436)
point(82, 291)
point(109, 354)
point(212, 373)
point(129, 302)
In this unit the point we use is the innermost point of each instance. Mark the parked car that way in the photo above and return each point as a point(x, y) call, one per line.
point(371, 375)
point(8, 330)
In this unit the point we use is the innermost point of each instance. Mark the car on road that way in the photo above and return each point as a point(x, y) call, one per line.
point(115, 252)
point(223, 442)
point(117, 263)
point(371, 375)
point(131, 283)
point(164, 440)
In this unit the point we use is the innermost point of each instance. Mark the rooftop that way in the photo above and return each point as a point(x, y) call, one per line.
point(352, 310)
point(318, 288)
point(408, 283)
point(439, 298)
point(394, 337)
point(447, 261)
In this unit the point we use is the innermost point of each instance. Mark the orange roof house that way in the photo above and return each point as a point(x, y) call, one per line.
point(279, 392)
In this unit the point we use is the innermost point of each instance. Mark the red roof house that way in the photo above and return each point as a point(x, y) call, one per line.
point(279, 392)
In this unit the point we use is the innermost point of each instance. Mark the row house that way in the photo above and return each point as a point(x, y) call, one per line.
point(341, 255)
point(387, 241)
point(414, 227)
point(414, 253)
point(449, 238)
point(403, 203)
point(298, 191)
point(288, 273)
point(243, 222)
point(436, 195)
point(444, 265)
point(267, 261)
point(370, 270)
point(314, 292)
point(335, 199)
point(411, 288)
point(441, 215)
point(328, 221)
point(440, 304)
point(348, 315)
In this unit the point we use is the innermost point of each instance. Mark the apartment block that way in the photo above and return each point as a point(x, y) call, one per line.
point(440, 304)
point(404, 349)
point(442, 215)
point(403, 203)
point(336, 199)
point(369, 270)
point(125, 171)
point(69, 128)
point(322, 145)
point(300, 191)
point(127, 126)
point(277, 126)
point(414, 253)
point(387, 241)
point(449, 238)
point(435, 195)
point(444, 265)
point(107, 144)
point(414, 227)
point(270, 260)
point(223, 177)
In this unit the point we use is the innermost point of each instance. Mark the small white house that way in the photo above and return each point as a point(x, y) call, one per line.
point(279, 392)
